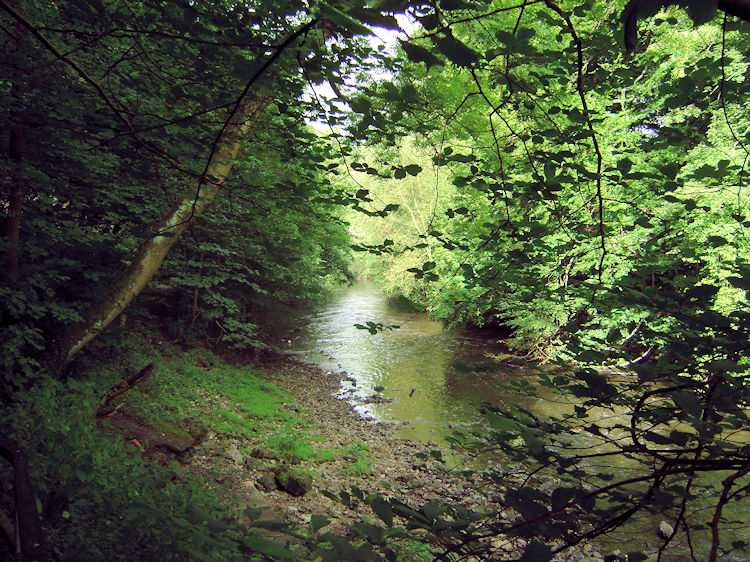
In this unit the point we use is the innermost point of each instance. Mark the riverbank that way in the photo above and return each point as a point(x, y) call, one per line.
point(329, 451)
point(218, 457)
point(363, 453)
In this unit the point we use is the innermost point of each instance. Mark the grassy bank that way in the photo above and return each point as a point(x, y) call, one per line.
point(150, 480)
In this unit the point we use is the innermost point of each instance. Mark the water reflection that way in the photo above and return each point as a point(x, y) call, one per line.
point(413, 363)
point(419, 366)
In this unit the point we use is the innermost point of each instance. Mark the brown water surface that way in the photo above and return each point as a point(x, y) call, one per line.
point(434, 379)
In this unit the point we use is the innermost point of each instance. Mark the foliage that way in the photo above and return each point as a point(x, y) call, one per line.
point(550, 195)
point(99, 497)
point(598, 210)
point(591, 200)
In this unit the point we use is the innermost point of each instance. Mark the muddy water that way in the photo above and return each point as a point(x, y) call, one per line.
point(428, 379)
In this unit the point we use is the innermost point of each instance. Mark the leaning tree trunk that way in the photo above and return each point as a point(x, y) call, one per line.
point(151, 254)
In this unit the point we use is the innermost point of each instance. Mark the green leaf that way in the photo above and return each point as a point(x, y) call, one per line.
point(344, 20)
point(458, 53)
point(534, 444)
point(413, 169)
point(739, 282)
point(433, 510)
point(415, 53)
point(624, 166)
point(252, 512)
point(502, 424)
point(262, 545)
point(383, 510)
point(374, 17)
point(549, 171)
point(537, 552)
point(451, 5)
point(562, 496)
point(372, 533)
point(717, 241)
point(317, 522)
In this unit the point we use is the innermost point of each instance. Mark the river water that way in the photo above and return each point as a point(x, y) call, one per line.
point(430, 381)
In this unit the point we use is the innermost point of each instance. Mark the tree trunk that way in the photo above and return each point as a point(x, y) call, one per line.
point(151, 254)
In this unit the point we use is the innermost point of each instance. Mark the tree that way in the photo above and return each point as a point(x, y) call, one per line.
point(597, 209)
point(604, 223)
point(136, 71)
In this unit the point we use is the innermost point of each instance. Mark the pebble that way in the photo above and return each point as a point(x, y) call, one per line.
point(665, 530)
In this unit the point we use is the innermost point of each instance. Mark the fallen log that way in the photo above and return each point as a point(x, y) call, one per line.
point(103, 409)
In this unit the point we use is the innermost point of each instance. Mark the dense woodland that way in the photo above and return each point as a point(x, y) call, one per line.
point(573, 172)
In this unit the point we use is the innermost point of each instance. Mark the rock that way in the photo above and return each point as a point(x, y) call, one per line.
point(376, 399)
point(267, 481)
point(234, 455)
point(379, 388)
point(196, 428)
point(254, 464)
point(264, 453)
point(213, 447)
point(171, 439)
point(665, 530)
point(293, 481)
point(161, 456)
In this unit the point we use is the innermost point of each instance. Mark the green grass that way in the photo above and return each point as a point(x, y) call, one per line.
point(291, 443)
point(109, 491)
point(224, 422)
point(232, 400)
point(359, 455)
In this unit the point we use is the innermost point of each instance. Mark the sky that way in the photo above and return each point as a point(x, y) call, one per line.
point(380, 36)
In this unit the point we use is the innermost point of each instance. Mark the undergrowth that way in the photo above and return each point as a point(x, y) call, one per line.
point(99, 497)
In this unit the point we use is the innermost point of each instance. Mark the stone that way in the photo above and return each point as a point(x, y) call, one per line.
point(293, 481)
point(264, 453)
point(293, 459)
point(196, 428)
point(267, 481)
point(254, 464)
point(213, 447)
point(234, 455)
point(665, 530)
point(171, 442)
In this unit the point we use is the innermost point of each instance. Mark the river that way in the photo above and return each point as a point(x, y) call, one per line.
point(430, 381)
